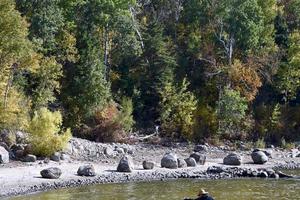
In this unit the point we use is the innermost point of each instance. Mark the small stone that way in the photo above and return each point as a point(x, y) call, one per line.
point(120, 150)
point(29, 158)
point(64, 156)
point(148, 164)
point(108, 151)
point(86, 170)
point(55, 157)
point(263, 174)
point(276, 176)
point(201, 148)
point(191, 162)
point(51, 173)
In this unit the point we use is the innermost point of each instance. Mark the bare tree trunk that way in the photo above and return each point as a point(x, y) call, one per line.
point(106, 43)
point(9, 83)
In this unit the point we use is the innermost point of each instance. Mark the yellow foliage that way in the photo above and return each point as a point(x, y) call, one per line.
point(46, 135)
point(245, 79)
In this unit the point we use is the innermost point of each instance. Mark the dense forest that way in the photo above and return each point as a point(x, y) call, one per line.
point(199, 69)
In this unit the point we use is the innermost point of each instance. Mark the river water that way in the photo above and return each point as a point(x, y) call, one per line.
point(234, 189)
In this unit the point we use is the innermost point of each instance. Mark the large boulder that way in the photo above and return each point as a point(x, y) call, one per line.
point(125, 164)
point(86, 170)
point(148, 164)
point(259, 157)
point(169, 160)
point(232, 159)
point(4, 155)
point(200, 158)
point(191, 162)
point(51, 173)
point(181, 163)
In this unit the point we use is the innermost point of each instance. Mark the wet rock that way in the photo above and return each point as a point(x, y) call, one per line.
point(200, 148)
point(284, 175)
point(262, 174)
point(215, 169)
point(181, 163)
point(259, 157)
point(125, 164)
point(148, 164)
point(55, 157)
point(51, 173)
point(4, 155)
point(169, 160)
point(191, 162)
point(232, 159)
point(200, 158)
point(86, 170)
point(29, 158)
point(276, 176)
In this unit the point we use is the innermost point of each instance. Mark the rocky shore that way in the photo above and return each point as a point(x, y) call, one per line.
point(19, 178)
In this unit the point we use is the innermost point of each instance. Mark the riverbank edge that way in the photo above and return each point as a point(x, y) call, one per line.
point(137, 176)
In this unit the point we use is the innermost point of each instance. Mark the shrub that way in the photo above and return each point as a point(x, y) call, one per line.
point(46, 135)
point(260, 143)
point(177, 110)
point(125, 117)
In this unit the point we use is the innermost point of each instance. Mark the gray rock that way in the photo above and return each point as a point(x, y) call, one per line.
point(108, 151)
point(46, 160)
point(284, 175)
point(130, 152)
point(263, 174)
point(259, 157)
point(232, 159)
point(3, 144)
point(268, 152)
point(200, 148)
point(191, 162)
point(86, 170)
point(181, 163)
point(65, 156)
point(4, 155)
point(19, 154)
point(169, 160)
point(55, 157)
point(199, 158)
point(148, 164)
point(51, 173)
point(120, 150)
point(276, 176)
point(8, 137)
point(125, 164)
point(29, 158)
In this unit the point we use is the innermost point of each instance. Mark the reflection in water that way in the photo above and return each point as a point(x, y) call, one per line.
point(245, 189)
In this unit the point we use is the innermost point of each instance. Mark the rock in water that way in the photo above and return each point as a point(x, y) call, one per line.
point(169, 161)
point(86, 170)
point(232, 159)
point(51, 173)
point(181, 163)
point(4, 155)
point(259, 157)
point(199, 158)
point(191, 162)
point(148, 164)
point(125, 165)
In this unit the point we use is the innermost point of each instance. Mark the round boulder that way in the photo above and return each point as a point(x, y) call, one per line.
point(200, 148)
point(86, 170)
point(232, 159)
point(148, 164)
point(55, 157)
point(125, 165)
point(29, 158)
point(259, 157)
point(191, 162)
point(51, 173)
point(199, 158)
point(169, 161)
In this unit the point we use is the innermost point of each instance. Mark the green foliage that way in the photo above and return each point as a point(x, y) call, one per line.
point(231, 111)
point(46, 133)
point(177, 110)
point(260, 143)
point(125, 117)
